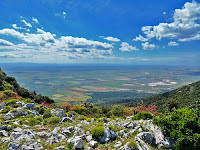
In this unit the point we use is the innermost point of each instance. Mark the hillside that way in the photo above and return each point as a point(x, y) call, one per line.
point(9, 89)
point(186, 96)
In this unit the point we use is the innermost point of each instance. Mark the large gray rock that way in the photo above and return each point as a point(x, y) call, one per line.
point(13, 146)
point(149, 137)
point(8, 116)
point(34, 112)
point(78, 131)
point(88, 138)
point(44, 134)
point(2, 105)
point(109, 134)
point(20, 103)
point(33, 146)
point(29, 106)
point(93, 144)
point(55, 138)
point(78, 142)
point(58, 112)
point(19, 113)
point(3, 133)
point(25, 134)
point(65, 119)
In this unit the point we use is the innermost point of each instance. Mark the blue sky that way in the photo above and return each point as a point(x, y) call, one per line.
point(100, 31)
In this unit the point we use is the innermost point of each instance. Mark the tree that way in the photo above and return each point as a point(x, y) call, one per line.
point(117, 110)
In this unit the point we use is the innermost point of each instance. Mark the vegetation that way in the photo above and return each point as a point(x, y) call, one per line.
point(188, 95)
point(183, 126)
point(143, 115)
point(97, 132)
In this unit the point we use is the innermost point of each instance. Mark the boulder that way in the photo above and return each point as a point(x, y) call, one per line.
point(65, 119)
point(34, 112)
point(3, 133)
point(29, 106)
point(88, 138)
point(78, 142)
point(44, 134)
point(13, 146)
point(109, 134)
point(9, 116)
point(93, 144)
point(58, 112)
point(149, 137)
point(118, 144)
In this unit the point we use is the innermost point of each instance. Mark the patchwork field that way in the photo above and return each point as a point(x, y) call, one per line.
point(99, 84)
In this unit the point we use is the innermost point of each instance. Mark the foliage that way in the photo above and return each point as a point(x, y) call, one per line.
point(151, 109)
point(66, 106)
point(112, 128)
point(186, 96)
point(79, 109)
point(32, 121)
point(97, 132)
point(183, 126)
point(133, 145)
point(70, 146)
point(171, 104)
point(6, 109)
point(117, 110)
point(143, 115)
point(54, 120)
point(128, 111)
point(81, 117)
point(47, 114)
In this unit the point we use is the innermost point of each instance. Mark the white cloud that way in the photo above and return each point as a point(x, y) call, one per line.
point(173, 44)
point(64, 13)
point(26, 23)
point(11, 32)
point(16, 27)
point(164, 13)
point(126, 47)
point(35, 20)
point(140, 38)
point(185, 26)
point(110, 38)
point(5, 43)
point(148, 46)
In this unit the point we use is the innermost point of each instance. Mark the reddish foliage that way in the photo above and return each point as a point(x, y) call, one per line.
point(66, 107)
point(47, 105)
point(151, 109)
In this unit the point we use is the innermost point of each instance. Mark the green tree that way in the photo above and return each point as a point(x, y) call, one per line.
point(117, 110)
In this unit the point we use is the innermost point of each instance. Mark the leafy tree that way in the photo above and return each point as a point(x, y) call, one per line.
point(117, 110)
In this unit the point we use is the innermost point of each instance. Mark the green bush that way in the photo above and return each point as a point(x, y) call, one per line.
point(39, 119)
point(40, 109)
point(6, 109)
point(81, 117)
point(47, 114)
point(112, 128)
point(97, 132)
point(32, 121)
point(100, 124)
point(133, 145)
point(54, 120)
point(117, 110)
point(143, 115)
point(183, 126)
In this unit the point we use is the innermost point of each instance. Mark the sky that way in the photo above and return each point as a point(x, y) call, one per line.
point(100, 31)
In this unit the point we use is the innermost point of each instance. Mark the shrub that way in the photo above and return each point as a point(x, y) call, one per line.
point(112, 128)
point(97, 132)
point(47, 113)
point(143, 115)
point(54, 120)
point(151, 109)
point(6, 109)
point(65, 106)
point(100, 124)
point(79, 109)
point(183, 127)
point(70, 146)
point(133, 145)
point(32, 122)
point(81, 117)
point(117, 110)
point(39, 119)
point(40, 109)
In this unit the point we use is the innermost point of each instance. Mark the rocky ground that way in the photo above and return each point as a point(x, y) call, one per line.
point(18, 131)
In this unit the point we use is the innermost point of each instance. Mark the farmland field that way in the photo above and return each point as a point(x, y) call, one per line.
point(99, 84)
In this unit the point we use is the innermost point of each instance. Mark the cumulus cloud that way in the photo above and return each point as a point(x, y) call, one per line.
point(140, 38)
point(126, 47)
point(26, 23)
point(148, 46)
point(173, 44)
point(164, 13)
point(110, 38)
point(185, 25)
point(35, 20)
point(5, 43)
point(42, 45)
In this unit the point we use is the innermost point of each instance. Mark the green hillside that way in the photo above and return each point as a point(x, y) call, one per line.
point(9, 88)
point(186, 96)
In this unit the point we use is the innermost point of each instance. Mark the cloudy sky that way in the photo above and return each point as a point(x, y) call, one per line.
point(100, 31)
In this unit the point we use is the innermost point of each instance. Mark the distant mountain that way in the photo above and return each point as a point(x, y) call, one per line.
point(186, 96)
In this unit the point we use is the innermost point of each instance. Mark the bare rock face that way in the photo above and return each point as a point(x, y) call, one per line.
point(29, 106)
point(58, 112)
point(109, 134)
